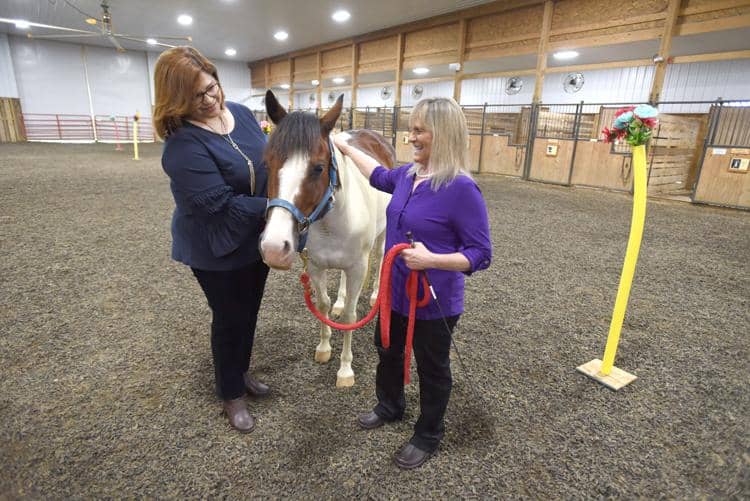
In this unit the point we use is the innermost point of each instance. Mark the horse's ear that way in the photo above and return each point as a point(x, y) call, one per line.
point(328, 122)
point(276, 112)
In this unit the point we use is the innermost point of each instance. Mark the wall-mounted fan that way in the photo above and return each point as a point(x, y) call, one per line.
point(513, 85)
point(416, 91)
point(331, 97)
point(311, 98)
point(573, 82)
point(106, 29)
point(386, 93)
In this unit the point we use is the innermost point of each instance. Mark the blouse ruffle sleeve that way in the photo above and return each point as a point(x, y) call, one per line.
point(200, 190)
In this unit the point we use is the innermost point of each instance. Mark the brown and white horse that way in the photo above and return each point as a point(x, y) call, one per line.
point(318, 200)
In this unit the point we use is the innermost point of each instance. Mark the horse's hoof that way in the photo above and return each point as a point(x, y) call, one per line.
point(322, 356)
point(345, 382)
point(337, 309)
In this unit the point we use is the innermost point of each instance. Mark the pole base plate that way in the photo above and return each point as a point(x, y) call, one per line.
point(615, 380)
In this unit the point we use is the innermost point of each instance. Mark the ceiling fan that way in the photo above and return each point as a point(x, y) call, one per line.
point(106, 29)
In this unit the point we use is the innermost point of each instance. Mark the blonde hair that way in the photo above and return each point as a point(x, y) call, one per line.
point(449, 156)
point(176, 76)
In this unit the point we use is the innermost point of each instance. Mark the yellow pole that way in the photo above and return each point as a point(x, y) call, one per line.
point(135, 136)
point(631, 257)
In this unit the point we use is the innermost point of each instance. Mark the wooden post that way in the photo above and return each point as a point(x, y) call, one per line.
point(399, 69)
point(458, 79)
point(541, 55)
point(355, 72)
point(665, 47)
point(267, 75)
point(319, 90)
point(291, 84)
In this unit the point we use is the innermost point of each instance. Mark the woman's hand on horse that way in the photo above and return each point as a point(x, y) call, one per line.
point(418, 257)
point(341, 142)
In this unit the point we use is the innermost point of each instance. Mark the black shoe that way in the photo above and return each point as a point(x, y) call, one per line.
point(370, 420)
point(238, 415)
point(410, 457)
point(254, 387)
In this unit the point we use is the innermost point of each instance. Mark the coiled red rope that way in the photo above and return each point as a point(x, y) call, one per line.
point(382, 305)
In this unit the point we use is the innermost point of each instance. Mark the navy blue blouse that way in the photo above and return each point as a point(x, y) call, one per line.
point(216, 223)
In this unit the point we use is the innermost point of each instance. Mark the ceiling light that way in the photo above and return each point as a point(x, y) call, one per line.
point(185, 20)
point(281, 35)
point(341, 16)
point(151, 41)
point(339, 80)
point(284, 86)
point(421, 71)
point(230, 52)
point(22, 25)
point(91, 20)
point(314, 82)
point(565, 54)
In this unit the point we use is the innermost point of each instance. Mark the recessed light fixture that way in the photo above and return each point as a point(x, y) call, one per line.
point(185, 20)
point(230, 52)
point(421, 71)
point(284, 86)
point(341, 16)
point(22, 25)
point(339, 80)
point(151, 41)
point(281, 35)
point(565, 54)
point(314, 82)
point(90, 20)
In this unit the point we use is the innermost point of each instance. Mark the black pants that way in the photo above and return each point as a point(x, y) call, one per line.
point(234, 297)
point(431, 345)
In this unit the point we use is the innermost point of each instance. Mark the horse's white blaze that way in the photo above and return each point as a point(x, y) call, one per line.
point(278, 244)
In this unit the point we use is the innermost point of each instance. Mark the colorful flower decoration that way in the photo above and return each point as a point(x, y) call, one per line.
point(265, 126)
point(633, 123)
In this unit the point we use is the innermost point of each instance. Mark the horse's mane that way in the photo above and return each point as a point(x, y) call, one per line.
point(374, 145)
point(299, 131)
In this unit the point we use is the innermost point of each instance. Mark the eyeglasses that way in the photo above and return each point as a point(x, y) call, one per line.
point(211, 91)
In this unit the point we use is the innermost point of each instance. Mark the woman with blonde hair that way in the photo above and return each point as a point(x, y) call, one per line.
point(213, 151)
point(437, 203)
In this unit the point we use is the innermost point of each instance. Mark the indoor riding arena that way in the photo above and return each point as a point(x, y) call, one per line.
point(603, 354)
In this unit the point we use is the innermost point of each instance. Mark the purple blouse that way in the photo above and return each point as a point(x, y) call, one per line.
point(452, 219)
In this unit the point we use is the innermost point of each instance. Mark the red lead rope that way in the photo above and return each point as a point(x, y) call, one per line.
point(382, 305)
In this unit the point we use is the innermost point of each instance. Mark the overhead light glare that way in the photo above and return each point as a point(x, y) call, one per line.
point(281, 35)
point(185, 20)
point(564, 55)
point(91, 20)
point(284, 86)
point(22, 25)
point(339, 80)
point(315, 82)
point(151, 41)
point(341, 16)
point(230, 52)
point(421, 71)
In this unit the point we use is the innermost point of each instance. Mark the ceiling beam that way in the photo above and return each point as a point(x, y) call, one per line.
point(715, 56)
point(457, 79)
point(600, 66)
point(665, 46)
point(541, 54)
point(399, 69)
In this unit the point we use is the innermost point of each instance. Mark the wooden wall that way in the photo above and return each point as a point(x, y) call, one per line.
point(551, 169)
point(596, 166)
point(11, 121)
point(674, 152)
point(717, 185)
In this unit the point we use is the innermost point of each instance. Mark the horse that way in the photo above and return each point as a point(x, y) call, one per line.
point(320, 202)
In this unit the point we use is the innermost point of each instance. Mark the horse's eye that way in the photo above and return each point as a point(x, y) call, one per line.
point(318, 169)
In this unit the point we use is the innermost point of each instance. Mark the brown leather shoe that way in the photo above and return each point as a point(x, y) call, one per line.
point(254, 387)
point(370, 420)
point(410, 457)
point(239, 417)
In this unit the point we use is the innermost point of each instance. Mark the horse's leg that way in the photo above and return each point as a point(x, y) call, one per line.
point(355, 275)
point(378, 249)
point(318, 278)
point(338, 306)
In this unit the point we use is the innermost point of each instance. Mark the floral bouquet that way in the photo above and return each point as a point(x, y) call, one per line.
point(634, 123)
point(265, 126)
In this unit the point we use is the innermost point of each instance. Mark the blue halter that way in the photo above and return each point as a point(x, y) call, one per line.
point(325, 204)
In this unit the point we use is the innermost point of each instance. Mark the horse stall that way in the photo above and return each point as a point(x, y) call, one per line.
point(723, 177)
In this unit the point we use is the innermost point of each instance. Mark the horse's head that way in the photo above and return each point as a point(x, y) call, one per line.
point(298, 158)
